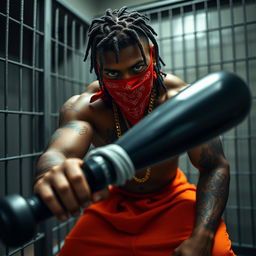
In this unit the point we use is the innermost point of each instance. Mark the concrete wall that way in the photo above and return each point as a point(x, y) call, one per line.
point(92, 8)
point(85, 7)
point(113, 4)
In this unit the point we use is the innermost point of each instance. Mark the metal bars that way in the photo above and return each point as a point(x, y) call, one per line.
point(41, 66)
point(68, 78)
point(250, 144)
point(206, 36)
point(20, 112)
point(68, 40)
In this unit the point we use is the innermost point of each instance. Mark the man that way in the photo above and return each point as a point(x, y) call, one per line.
point(157, 212)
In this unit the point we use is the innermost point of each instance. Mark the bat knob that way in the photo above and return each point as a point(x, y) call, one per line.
point(17, 220)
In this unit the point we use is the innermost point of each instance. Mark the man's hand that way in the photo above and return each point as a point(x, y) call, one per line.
point(65, 190)
point(194, 246)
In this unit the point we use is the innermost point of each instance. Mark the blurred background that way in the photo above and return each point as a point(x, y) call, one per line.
point(42, 44)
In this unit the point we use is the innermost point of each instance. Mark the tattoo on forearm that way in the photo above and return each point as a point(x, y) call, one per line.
point(46, 163)
point(212, 195)
point(213, 186)
point(46, 167)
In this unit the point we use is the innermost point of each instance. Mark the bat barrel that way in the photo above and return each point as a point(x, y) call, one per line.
point(203, 110)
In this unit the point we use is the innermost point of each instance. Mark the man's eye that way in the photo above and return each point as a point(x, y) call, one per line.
point(112, 74)
point(139, 68)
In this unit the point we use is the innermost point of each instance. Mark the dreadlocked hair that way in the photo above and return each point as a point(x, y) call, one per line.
point(118, 29)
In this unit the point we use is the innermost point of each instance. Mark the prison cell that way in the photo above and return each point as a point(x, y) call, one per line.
point(41, 65)
point(41, 52)
point(199, 37)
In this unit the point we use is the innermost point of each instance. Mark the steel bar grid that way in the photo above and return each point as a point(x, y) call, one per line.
point(207, 37)
point(21, 156)
point(68, 39)
point(207, 30)
point(253, 232)
point(21, 65)
point(38, 237)
point(236, 133)
point(56, 74)
point(222, 36)
point(6, 100)
point(26, 111)
point(216, 63)
point(63, 75)
point(22, 24)
point(56, 43)
point(165, 5)
point(21, 112)
point(13, 155)
point(20, 105)
point(195, 39)
point(68, 78)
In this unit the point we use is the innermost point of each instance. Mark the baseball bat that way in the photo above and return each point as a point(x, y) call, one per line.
point(202, 111)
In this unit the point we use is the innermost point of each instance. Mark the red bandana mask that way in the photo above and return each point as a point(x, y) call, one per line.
point(132, 94)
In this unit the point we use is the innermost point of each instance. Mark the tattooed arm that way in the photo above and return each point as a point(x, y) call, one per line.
point(213, 184)
point(211, 197)
point(60, 181)
point(70, 140)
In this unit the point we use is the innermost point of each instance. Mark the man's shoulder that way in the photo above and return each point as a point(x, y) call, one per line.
point(78, 107)
point(73, 107)
point(171, 81)
point(174, 85)
point(92, 87)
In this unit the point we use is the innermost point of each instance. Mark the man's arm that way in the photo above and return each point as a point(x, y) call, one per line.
point(211, 197)
point(213, 184)
point(60, 181)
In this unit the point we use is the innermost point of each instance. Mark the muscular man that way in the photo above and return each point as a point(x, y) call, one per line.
point(157, 212)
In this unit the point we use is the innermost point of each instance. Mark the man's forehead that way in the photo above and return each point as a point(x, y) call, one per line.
point(129, 53)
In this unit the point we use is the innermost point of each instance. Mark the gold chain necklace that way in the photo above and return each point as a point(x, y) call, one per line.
point(119, 132)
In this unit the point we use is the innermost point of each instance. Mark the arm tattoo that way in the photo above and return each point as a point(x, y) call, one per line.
point(209, 156)
point(76, 127)
point(45, 167)
point(212, 195)
point(55, 136)
point(45, 163)
point(216, 146)
point(213, 187)
point(66, 107)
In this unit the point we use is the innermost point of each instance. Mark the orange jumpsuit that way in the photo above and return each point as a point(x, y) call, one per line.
point(128, 224)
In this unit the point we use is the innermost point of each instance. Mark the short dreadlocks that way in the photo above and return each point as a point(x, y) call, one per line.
point(118, 29)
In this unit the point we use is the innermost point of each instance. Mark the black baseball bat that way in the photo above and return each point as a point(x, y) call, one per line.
point(200, 112)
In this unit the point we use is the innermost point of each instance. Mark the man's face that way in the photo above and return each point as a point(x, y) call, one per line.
point(130, 62)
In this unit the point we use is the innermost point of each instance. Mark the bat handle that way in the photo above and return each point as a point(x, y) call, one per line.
point(19, 216)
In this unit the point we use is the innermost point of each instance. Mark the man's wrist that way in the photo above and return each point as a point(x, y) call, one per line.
point(203, 233)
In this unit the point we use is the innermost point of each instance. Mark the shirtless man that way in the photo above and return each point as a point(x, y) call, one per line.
point(189, 223)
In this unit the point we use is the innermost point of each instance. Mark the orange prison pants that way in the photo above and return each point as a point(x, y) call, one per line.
point(128, 224)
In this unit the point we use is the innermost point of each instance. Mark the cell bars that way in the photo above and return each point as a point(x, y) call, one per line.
point(199, 37)
point(41, 52)
point(69, 76)
point(41, 65)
